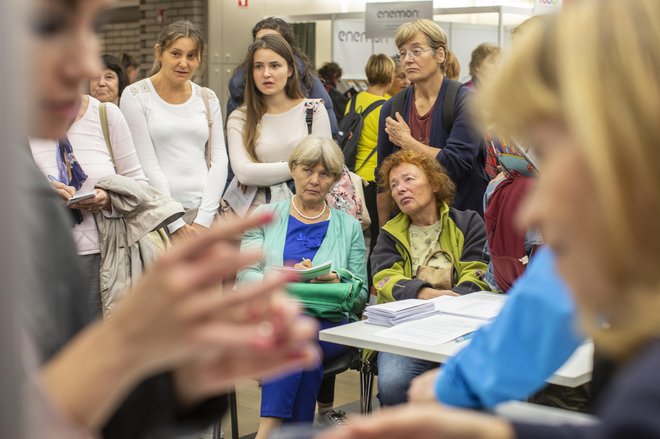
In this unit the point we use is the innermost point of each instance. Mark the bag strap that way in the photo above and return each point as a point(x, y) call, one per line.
point(449, 105)
point(309, 118)
point(209, 121)
point(353, 103)
point(103, 113)
point(364, 114)
point(398, 102)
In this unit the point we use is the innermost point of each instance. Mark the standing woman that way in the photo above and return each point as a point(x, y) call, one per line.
point(111, 82)
point(310, 84)
point(421, 124)
point(272, 120)
point(169, 119)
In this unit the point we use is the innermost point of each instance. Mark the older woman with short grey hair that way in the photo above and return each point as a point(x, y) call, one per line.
point(306, 232)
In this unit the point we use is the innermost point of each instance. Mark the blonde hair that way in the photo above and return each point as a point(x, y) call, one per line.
point(452, 66)
point(380, 69)
point(479, 55)
point(435, 36)
point(313, 150)
point(605, 90)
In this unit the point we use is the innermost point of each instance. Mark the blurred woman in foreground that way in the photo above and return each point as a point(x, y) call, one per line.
point(601, 178)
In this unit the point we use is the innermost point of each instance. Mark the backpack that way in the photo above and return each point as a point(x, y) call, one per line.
point(350, 130)
point(506, 244)
point(448, 105)
point(347, 194)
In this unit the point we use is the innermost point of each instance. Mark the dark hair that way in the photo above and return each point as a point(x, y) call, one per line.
point(112, 63)
point(174, 31)
point(286, 31)
point(254, 104)
point(330, 72)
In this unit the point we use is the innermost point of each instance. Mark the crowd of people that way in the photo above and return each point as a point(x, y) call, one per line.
point(141, 310)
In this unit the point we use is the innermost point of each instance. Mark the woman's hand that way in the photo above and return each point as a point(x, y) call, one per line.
point(101, 201)
point(216, 374)
point(422, 421)
point(198, 228)
point(176, 312)
point(431, 293)
point(399, 132)
point(183, 234)
point(422, 388)
point(329, 278)
point(65, 192)
point(304, 264)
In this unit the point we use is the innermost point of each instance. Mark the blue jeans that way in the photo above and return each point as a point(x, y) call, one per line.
point(292, 397)
point(395, 372)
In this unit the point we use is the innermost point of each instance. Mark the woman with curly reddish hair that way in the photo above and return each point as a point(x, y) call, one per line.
point(428, 250)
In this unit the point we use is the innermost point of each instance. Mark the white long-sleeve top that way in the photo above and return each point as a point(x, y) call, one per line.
point(170, 140)
point(91, 151)
point(278, 136)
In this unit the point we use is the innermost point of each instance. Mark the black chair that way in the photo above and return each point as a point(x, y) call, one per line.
point(368, 368)
point(233, 412)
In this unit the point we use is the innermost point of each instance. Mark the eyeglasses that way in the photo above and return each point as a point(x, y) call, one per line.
point(416, 53)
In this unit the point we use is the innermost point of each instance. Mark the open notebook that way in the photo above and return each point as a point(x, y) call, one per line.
point(452, 317)
point(305, 274)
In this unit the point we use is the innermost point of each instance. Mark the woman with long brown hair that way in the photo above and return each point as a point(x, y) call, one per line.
point(273, 119)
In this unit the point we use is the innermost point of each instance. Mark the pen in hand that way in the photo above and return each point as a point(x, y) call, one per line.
point(53, 178)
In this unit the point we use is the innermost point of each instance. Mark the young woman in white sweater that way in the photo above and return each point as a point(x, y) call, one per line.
point(272, 120)
point(167, 116)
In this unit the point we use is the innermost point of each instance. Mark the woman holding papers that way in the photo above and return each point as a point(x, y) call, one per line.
point(307, 232)
point(428, 250)
point(588, 101)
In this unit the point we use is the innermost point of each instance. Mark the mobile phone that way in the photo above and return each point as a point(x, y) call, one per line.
point(80, 196)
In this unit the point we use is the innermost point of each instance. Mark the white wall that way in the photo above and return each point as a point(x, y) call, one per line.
point(230, 29)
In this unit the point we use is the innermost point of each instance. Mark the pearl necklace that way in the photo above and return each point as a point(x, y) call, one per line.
point(293, 203)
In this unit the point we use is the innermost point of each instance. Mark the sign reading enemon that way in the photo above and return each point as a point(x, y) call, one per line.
point(383, 19)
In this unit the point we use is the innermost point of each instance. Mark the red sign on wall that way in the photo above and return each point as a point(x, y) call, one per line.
point(242, 3)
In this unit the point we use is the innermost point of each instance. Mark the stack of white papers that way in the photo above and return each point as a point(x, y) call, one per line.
point(393, 313)
point(452, 318)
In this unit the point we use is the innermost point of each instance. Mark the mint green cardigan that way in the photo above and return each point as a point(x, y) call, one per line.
point(343, 245)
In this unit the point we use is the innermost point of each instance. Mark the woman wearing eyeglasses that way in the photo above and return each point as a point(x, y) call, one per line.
point(417, 120)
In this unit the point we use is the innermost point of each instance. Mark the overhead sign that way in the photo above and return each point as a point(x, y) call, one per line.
point(351, 48)
point(383, 19)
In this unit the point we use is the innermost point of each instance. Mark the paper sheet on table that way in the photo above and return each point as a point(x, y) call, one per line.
point(480, 305)
point(432, 331)
point(238, 200)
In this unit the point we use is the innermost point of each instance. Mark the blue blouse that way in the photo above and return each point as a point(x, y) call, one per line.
point(303, 240)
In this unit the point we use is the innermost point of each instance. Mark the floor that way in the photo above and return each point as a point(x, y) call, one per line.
point(347, 391)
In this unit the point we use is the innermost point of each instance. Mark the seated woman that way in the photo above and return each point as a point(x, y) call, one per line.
point(428, 250)
point(306, 232)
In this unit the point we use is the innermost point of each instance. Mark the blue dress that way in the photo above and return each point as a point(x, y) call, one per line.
point(292, 397)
